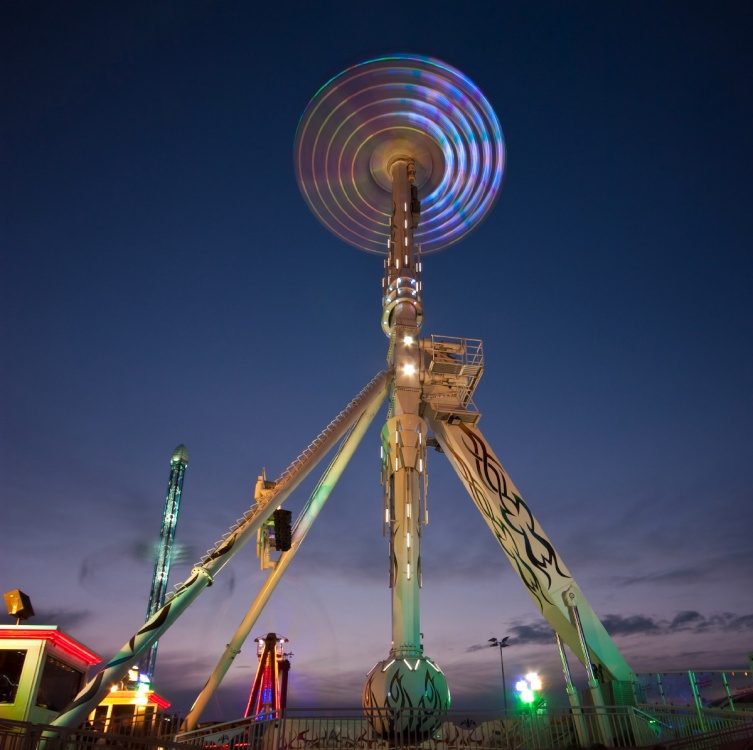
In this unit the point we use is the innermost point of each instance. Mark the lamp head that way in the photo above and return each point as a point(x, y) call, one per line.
point(502, 642)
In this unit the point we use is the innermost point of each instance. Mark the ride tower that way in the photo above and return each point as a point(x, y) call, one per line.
point(269, 692)
point(178, 464)
point(399, 156)
point(403, 156)
point(372, 144)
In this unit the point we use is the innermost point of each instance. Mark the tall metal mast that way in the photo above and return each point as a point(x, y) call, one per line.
point(404, 433)
point(178, 464)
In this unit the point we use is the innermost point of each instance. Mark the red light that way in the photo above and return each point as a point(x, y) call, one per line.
point(64, 642)
point(159, 700)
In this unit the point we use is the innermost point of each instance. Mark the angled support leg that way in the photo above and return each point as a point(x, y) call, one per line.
point(572, 695)
point(210, 565)
point(310, 512)
point(527, 547)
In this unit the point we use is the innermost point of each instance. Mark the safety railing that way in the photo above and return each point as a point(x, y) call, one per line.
point(694, 728)
point(21, 735)
point(400, 729)
point(420, 729)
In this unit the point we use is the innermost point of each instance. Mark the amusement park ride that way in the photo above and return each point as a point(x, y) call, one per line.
point(270, 688)
point(158, 590)
point(399, 156)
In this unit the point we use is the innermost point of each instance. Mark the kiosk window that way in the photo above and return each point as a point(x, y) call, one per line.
point(11, 665)
point(59, 685)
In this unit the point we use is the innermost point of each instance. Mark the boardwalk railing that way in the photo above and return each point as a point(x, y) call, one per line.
point(21, 735)
point(612, 726)
point(342, 729)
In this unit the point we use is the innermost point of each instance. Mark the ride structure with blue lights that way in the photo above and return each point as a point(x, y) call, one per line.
point(178, 464)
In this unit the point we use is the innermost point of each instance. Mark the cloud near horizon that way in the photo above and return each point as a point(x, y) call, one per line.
point(619, 625)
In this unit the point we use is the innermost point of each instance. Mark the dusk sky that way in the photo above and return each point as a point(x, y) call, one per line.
point(164, 282)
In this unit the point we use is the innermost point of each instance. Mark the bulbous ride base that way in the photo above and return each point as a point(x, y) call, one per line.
point(406, 696)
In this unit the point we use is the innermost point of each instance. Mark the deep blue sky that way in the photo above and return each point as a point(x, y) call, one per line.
point(164, 282)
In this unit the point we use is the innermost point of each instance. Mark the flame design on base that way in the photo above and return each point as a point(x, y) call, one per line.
point(416, 692)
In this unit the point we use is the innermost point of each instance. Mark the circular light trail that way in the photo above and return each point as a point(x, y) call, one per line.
point(399, 106)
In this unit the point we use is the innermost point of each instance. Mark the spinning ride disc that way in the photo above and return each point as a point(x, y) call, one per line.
point(405, 106)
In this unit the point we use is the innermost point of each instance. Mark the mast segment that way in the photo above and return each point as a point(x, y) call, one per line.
point(402, 278)
point(404, 434)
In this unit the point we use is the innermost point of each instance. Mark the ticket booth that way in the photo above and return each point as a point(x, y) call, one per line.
point(41, 670)
point(131, 707)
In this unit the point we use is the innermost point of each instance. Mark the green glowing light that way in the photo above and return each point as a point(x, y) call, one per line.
point(527, 688)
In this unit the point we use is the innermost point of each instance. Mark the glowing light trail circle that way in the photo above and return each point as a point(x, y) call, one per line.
point(403, 105)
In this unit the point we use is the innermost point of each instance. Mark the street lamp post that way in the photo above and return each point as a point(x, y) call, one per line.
point(501, 643)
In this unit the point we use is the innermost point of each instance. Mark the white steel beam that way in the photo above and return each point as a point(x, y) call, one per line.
point(204, 573)
point(311, 511)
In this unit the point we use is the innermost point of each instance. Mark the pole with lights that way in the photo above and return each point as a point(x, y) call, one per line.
point(501, 643)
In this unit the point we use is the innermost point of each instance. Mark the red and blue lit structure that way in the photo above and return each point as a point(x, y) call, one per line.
point(270, 689)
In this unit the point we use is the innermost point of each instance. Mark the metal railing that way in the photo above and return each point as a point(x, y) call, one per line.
point(452, 373)
point(21, 735)
point(687, 727)
point(401, 729)
point(611, 726)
